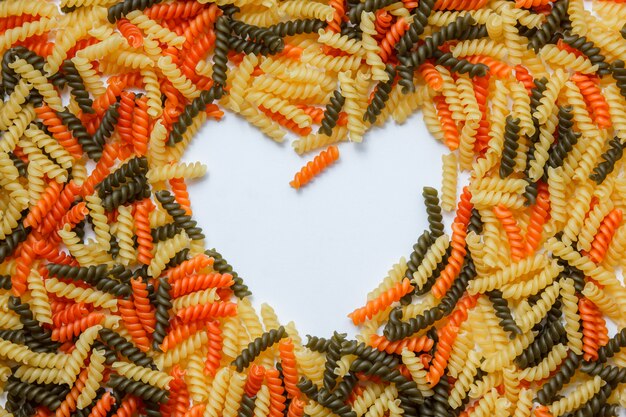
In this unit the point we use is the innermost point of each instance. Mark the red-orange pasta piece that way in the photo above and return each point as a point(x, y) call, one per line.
point(102, 169)
point(201, 22)
point(590, 316)
point(207, 311)
point(193, 283)
point(496, 67)
point(413, 343)
point(178, 333)
point(144, 309)
point(179, 189)
point(289, 365)
point(141, 126)
point(539, 215)
point(335, 24)
point(517, 246)
point(448, 125)
point(316, 113)
point(214, 352)
point(595, 99)
point(296, 406)
point(68, 405)
point(481, 91)
point(67, 332)
point(189, 267)
point(384, 300)
point(178, 403)
point(542, 411)
point(42, 411)
point(131, 32)
point(459, 4)
point(127, 407)
point(141, 216)
point(603, 237)
point(22, 266)
point(277, 393)
point(527, 4)
point(431, 76)
point(447, 336)
point(11, 22)
point(133, 324)
point(113, 91)
point(283, 121)
point(256, 375)
point(196, 52)
point(43, 206)
point(382, 22)
point(314, 167)
point(63, 313)
point(196, 411)
point(168, 11)
point(458, 252)
point(125, 120)
point(522, 75)
point(391, 38)
point(81, 44)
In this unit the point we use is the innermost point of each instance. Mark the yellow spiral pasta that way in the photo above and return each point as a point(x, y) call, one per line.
point(313, 56)
point(177, 78)
point(535, 284)
point(304, 9)
point(483, 46)
point(39, 302)
point(124, 231)
point(464, 380)
point(164, 251)
point(183, 350)
point(315, 141)
point(151, 27)
point(39, 82)
point(577, 397)
point(94, 376)
point(371, 47)
point(146, 375)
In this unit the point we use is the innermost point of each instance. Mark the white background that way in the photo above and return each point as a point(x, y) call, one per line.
point(313, 254)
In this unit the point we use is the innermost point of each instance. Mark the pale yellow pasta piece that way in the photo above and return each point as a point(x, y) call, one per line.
point(548, 364)
point(371, 47)
point(146, 375)
point(39, 302)
point(153, 28)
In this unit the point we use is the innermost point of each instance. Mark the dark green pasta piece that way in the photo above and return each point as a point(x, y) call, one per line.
point(369, 354)
point(433, 210)
point(333, 354)
point(474, 32)
point(550, 26)
point(351, 32)
point(130, 169)
point(609, 159)
point(396, 329)
point(609, 373)
point(336, 405)
point(106, 127)
point(89, 145)
point(15, 336)
point(459, 286)
point(381, 95)
point(298, 26)
point(317, 344)
point(77, 87)
point(593, 406)
point(257, 346)
point(121, 9)
point(162, 304)
point(591, 51)
point(223, 267)
point(178, 259)
point(554, 384)
point(416, 28)
point(266, 36)
point(459, 65)
point(542, 345)
point(19, 164)
point(246, 407)
point(346, 386)
point(109, 354)
point(220, 58)
point(139, 389)
point(164, 232)
point(247, 47)
point(125, 348)
point(613, 346)
point(511, 138)
point(33, 393)
point(134, 190)
point(89, 274)
point(415, 259)
point(181, 219)
point(354, 13)
point(427, 49)
point(441, 393)
point(331, 113)
point(475, 222)
point(12, 240)
point(194, 108)
point(5, 282)
point(115, 247)
point(567, 138)
point(503, 312)
point(38, 338)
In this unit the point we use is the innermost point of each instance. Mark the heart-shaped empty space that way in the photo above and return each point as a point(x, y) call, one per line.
point(313, 254)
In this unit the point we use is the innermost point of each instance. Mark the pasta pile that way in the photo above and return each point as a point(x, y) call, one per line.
point(112, 306)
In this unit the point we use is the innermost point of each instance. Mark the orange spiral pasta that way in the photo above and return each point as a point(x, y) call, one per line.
point(287, 123)
point(42, 48)
point(68, 405)
point(289, 365)
point(141, 216)
point(24, 261)
point(447, 336)
point(527, 4)
point(195, 54)
point(188, 267)
point(178, 404)
point(181, 10)
point(316, 113)
point(457, 255)
point(102, 406)
point(431, 76)
point(448, 125)
point(542, 411)
point(277, 393)
point(127, 407)
point(413, 343)
point(391, 38)
point(11, 22)
point(459, 4)
point(522, 75)
point(102, 169)
point(339, 12)
point(539, 215)
point(481, 91)
point(517, 245)
point(200, 282)
point(67, 313)
point(496, 67)
point(42, 411)
point(214, 353)
point(203, 21)
point(207, 311)
point(178, 333)
point(133, 325)
point(590, 316)
point(69, 331)
point(43, 206)
point(131, 32)
point(314, 167)
point(384, 300)
point(603, 237)
point(144, 309)
point(179, 189)
point(141, 126)
point(196, 411)
point(256, 375)
point(594, 98)
point(296, 406)
point(125, 120)
point(75, 215)
point(382, 22)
